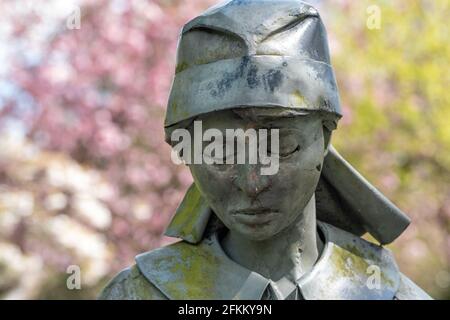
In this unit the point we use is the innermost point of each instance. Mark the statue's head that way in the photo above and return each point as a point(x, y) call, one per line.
point(262, 65)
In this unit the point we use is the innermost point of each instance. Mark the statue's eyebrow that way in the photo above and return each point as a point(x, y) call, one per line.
point(280, 116)
point(299, 18)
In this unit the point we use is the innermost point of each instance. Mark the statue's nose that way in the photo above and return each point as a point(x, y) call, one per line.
point(250, 180)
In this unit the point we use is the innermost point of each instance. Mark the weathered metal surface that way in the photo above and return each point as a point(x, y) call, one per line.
point(346, 268)
point(253, 53)
point(264, 81)
point(191, 218)
point(203, 271)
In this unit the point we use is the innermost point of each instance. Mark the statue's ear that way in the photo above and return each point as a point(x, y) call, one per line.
point(348, 201)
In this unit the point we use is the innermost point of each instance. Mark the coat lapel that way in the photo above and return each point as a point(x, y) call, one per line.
point(203, 271)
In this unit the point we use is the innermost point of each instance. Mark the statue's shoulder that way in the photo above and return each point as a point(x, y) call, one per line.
point(130, 284)
point(369, 269)
point(154, 274)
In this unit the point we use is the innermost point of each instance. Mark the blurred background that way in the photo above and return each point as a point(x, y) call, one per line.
point(86, 178)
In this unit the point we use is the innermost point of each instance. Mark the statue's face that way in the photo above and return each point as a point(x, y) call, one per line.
point(260, 206)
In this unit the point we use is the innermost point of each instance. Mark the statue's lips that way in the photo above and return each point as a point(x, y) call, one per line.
point(254, 216)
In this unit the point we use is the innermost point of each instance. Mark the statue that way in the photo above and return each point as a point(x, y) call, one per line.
point(295, 234)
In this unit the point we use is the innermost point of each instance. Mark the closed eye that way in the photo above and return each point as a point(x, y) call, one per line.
point(287, 154)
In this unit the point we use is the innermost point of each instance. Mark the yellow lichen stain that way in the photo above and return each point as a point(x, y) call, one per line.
point(210, 56)
point(372, 257)
point(350, 261)
point(190, 210)
point(195, 272)
point(347, 263)
point(298, 100)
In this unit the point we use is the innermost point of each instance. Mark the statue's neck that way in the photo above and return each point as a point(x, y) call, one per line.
point(290, 254)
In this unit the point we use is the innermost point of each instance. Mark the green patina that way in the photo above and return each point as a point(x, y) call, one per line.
point(181, 66)
point(180, 113)
point(188, 213)
point(194, 272)
point(140, 286)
